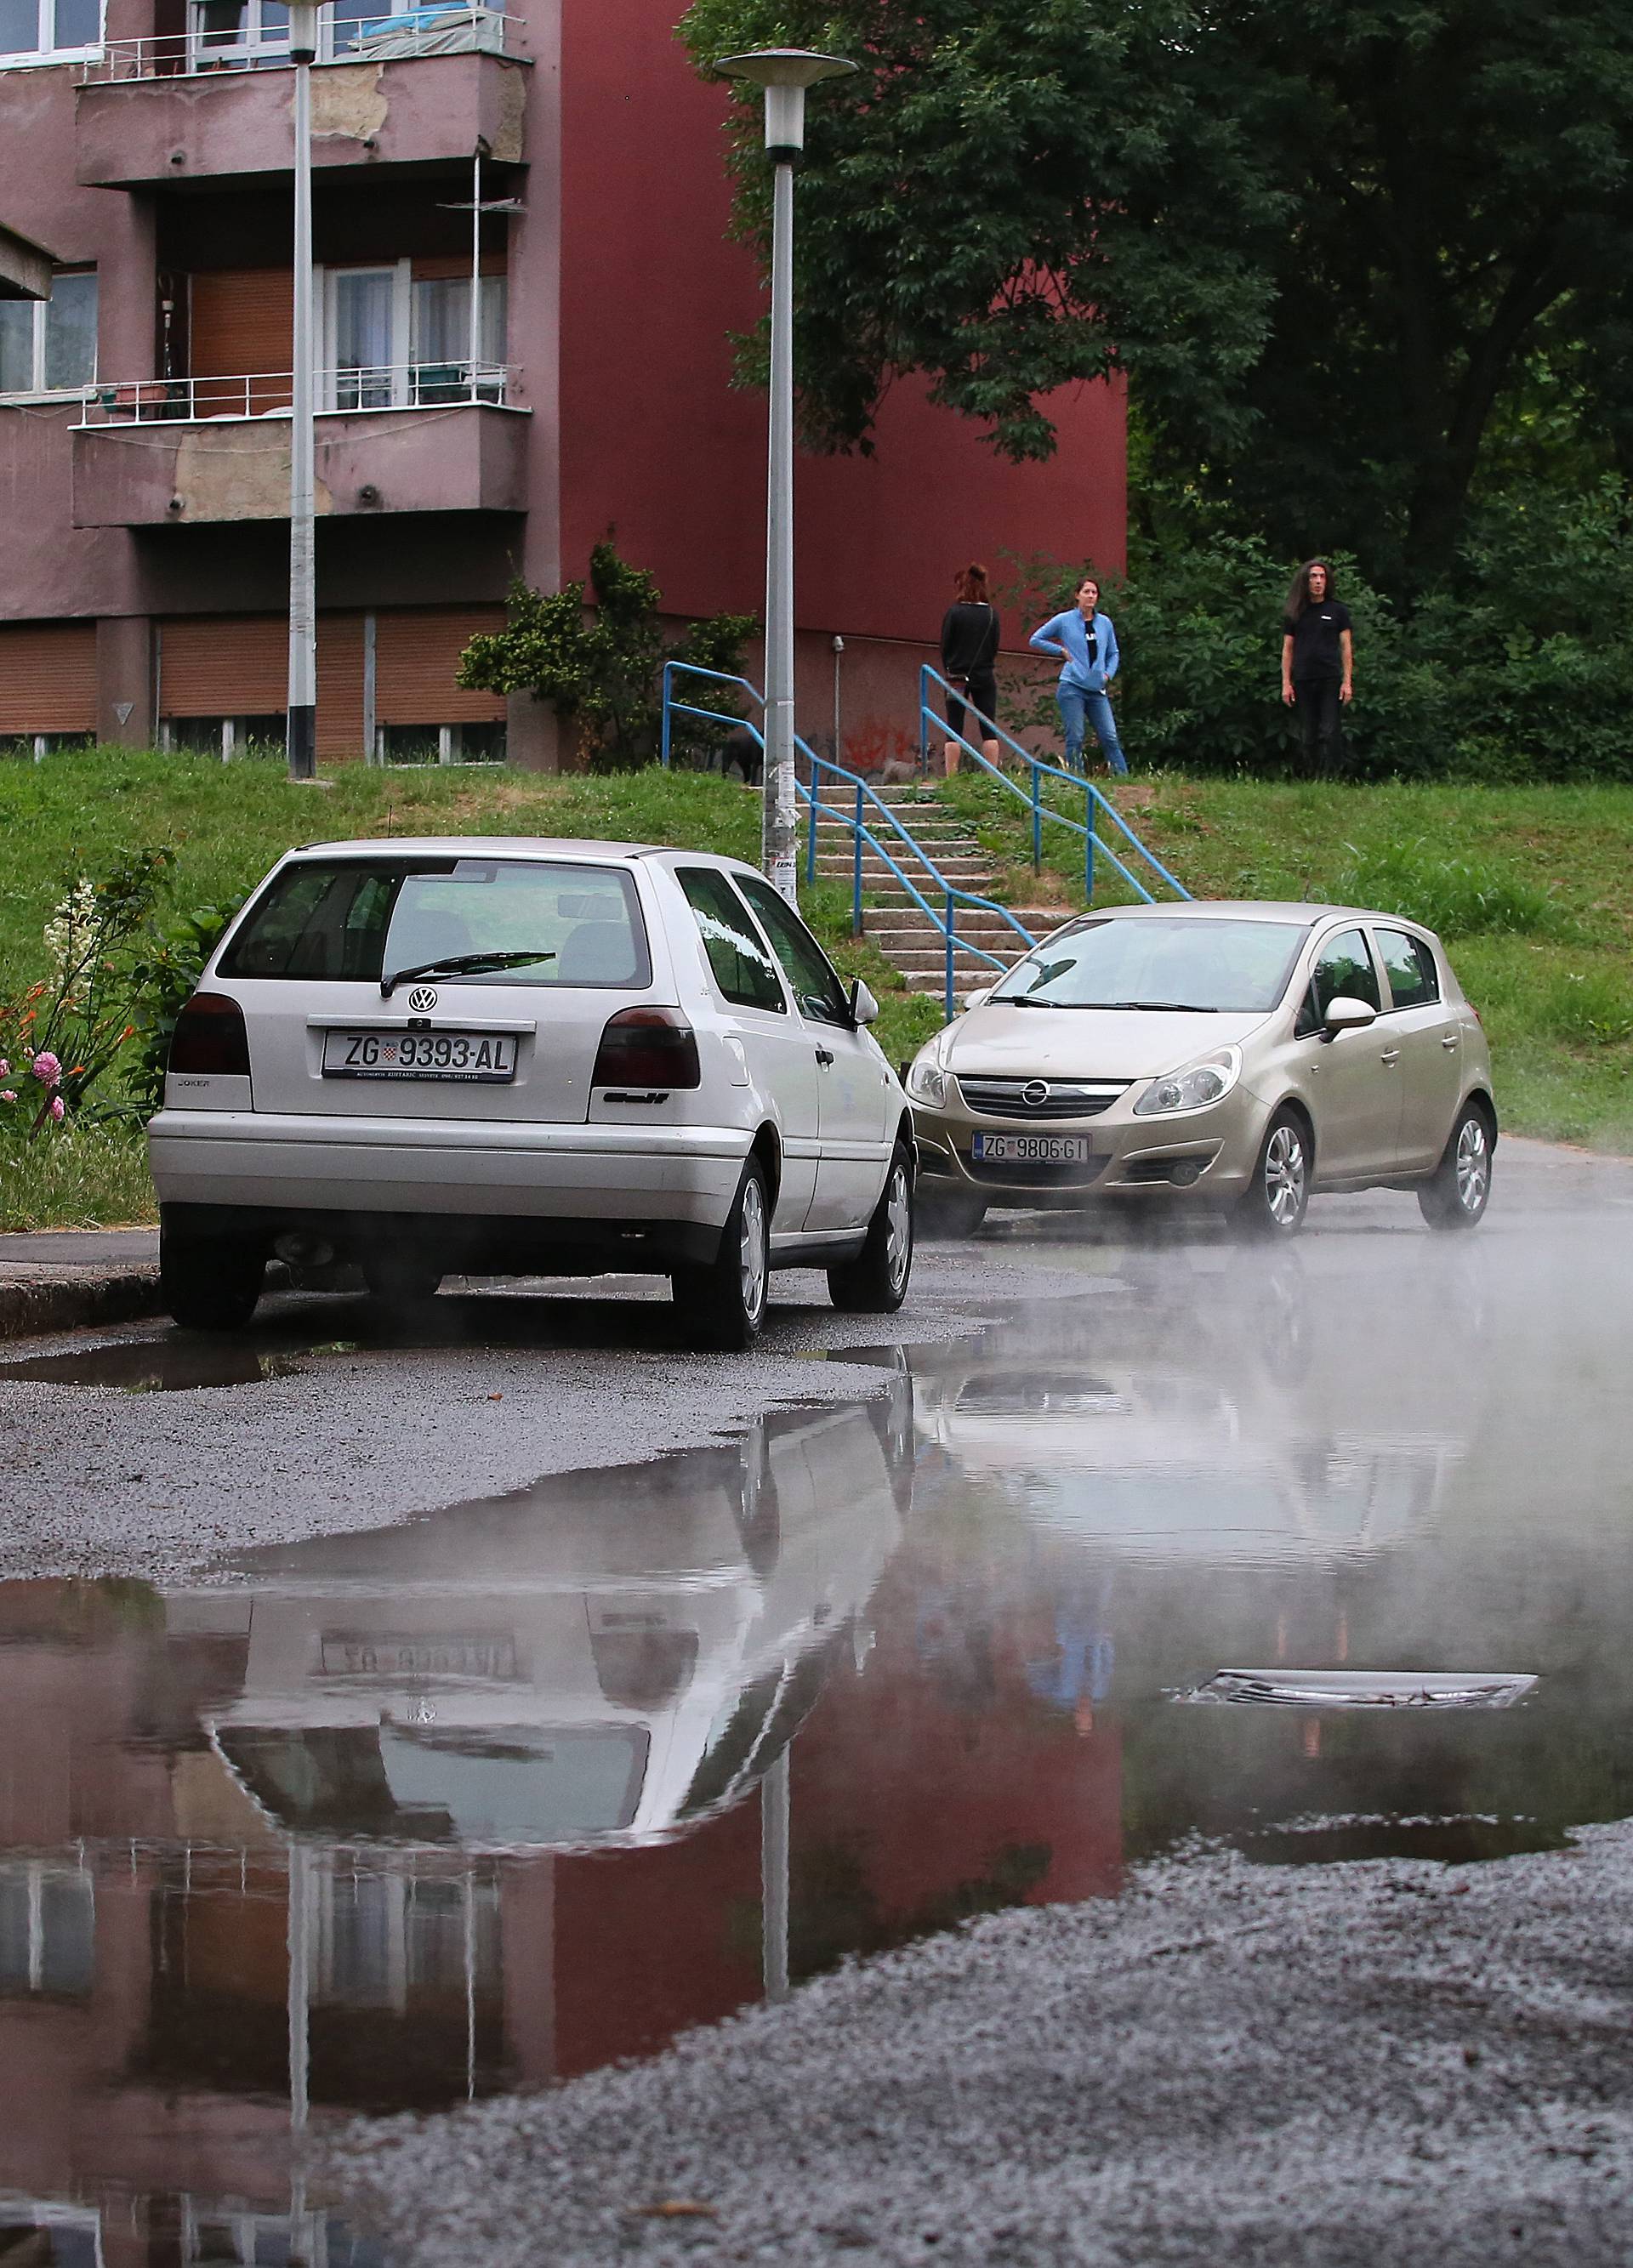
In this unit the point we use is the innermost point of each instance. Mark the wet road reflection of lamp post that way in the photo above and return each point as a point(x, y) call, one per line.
point(300, 730)
point(783, 73)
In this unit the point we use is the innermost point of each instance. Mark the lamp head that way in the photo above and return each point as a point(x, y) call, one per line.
point(303, 30)
point(785, 73)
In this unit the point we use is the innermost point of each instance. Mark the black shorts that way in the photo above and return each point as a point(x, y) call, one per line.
point(982, 690)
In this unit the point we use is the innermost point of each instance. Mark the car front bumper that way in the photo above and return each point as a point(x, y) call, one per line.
point(1203, 1155)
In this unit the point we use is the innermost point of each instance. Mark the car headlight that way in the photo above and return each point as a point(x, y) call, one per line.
point(1194, 1087)
point(928, 1077)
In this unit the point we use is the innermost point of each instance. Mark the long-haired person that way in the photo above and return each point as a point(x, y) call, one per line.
point(970, 632)
point(1084, 638)
point(1317, 662)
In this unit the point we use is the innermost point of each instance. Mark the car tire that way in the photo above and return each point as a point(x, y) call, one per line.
point(944, 1217)
point(401, 1280)
point(1275, 1200)
point(724, 1303)
point(1457, 1191)
point(875, 1282)
point(210, 1284)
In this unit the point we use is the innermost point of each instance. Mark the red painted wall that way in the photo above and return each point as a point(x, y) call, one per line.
point(654, 440)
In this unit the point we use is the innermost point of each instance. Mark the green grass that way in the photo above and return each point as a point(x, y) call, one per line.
point(1532, 889)
point(86, 1177)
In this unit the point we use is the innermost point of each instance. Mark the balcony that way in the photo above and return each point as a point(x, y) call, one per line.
point(184, 452)
point(418, 89)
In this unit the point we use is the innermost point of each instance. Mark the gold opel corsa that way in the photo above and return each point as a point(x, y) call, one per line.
point(1243, 1054)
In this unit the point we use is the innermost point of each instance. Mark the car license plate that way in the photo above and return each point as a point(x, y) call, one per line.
point(487, 1058)
point(1031, 1150)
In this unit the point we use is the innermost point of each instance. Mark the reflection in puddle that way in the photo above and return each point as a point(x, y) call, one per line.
point(166, 1366)
point(404, 1819)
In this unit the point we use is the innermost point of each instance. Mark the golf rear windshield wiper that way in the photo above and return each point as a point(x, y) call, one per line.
point(459, 964)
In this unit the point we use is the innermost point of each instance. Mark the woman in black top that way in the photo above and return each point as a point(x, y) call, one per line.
point(1317, 662)
point(970, 631)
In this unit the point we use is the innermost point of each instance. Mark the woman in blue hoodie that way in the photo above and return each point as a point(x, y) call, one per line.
point(1084, 638)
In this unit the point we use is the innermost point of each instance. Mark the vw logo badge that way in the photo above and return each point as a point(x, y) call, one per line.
point(1035, 1092)
point(423, 999)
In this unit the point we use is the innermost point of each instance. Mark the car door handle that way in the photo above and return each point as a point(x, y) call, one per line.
point(1450, 1043)
point(824, 1057)
point(1390, 1056)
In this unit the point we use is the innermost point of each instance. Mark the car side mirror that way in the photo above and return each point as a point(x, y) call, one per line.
point(1344, 1014)
point(980, 998)
point(864, 1007)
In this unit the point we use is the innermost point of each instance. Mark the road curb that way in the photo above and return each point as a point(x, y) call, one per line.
point(36, 1300)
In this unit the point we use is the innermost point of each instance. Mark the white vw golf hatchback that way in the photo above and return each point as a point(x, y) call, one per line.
point(505, 1057)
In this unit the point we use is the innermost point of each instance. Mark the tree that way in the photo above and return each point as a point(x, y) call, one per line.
point(600, 667)
point(1321, 243)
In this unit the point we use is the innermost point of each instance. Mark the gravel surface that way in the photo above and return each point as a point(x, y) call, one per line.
point(528, 1381)
point(1385, 2064)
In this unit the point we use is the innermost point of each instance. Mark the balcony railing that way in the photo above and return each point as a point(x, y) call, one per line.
point(267, 393)
point(452, 30)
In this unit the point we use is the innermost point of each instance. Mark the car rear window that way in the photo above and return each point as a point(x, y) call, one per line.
point(359, 920)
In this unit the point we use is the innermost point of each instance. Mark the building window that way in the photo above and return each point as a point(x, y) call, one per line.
point(48, 346)
point(53, 28)
point(441, 744)
point(393, 340)
point(237, 31)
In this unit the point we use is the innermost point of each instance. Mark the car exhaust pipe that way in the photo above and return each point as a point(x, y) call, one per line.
point(302, 1249)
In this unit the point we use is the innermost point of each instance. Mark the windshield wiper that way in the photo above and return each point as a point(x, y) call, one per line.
point(1104, 1007)
point(459, 964)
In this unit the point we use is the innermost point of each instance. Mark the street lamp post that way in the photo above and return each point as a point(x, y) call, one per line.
point(301, 731)
point(783, 73)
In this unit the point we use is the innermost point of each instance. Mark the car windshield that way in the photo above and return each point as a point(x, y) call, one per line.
point(460, 920)
point(1189, 961)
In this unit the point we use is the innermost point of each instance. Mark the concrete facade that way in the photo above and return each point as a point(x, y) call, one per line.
point(150, 495)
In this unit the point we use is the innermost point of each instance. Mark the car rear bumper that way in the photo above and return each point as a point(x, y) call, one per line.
point(276, 1164)
point(1199, 1153)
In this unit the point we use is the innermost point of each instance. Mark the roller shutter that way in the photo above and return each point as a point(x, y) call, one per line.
point(416, 655)
point(242, 324)
point(48, 677)
point(339, 686)
point(223, 665)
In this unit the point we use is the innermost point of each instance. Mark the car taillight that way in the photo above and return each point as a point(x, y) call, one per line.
point(209, 1036)
point(648, 1047)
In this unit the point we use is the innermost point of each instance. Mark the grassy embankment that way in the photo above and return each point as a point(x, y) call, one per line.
point(226, 823)
point(1533, 888)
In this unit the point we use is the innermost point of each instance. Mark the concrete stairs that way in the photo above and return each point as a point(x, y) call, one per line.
point(890, 918)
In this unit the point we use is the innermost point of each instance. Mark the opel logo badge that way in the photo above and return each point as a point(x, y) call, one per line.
point(1035, 1092)
point(423, 999)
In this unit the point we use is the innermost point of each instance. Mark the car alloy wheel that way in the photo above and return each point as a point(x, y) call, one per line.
point(1456, 1194)
point(897, 1225)
point(875, 1282)
point(1284, 1175)
point(1474, 1165)
point(753, 1257)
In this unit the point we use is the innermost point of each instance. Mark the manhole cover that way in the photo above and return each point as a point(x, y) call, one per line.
point(1364, 1688)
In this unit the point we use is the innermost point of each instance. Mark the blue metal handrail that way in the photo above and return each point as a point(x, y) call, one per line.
point(1093, 798)
point(952, 895)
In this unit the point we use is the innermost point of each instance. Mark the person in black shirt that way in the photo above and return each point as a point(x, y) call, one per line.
point(970, 631)
point(1317, 662)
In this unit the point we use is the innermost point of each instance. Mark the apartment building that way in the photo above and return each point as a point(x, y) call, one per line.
point(497, 386)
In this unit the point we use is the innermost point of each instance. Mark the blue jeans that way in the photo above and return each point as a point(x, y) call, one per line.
point(1075, 706)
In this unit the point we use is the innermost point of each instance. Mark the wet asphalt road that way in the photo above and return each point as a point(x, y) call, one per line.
point(380, 1746)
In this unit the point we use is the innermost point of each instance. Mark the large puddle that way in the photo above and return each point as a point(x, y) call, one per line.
point(480, 1802)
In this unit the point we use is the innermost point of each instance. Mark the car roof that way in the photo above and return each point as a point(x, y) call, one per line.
point(1294, 912)
point(571, 847)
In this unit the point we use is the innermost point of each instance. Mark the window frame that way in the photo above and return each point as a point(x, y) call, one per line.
point(37, 57)
point(1434, 999)
point(843, 1021)
point(785, 1004)
point(1308, 1023)
point(37, 390)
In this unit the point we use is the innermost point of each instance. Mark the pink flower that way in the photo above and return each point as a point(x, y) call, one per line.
point(4, 1067)
point(56, 1108)
point(47, 1068)
point(10, 1096)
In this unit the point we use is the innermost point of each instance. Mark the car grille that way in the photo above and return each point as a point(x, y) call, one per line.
point(1036, 1177)
point(1062, 1098)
